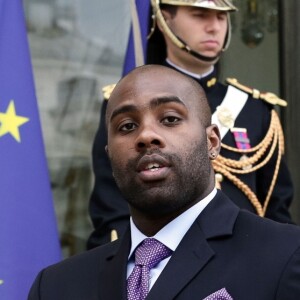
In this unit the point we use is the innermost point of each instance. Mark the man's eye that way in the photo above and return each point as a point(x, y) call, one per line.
point(127, 127)
point(171, 120)
point(222, 17)
point(198, 15)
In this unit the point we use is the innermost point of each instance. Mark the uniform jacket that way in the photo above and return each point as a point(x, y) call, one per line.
point(109, 210)
point(251, 257)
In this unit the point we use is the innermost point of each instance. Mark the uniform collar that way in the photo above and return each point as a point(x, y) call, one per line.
point(207, 80)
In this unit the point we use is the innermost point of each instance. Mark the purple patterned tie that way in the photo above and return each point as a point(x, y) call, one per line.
point(147, 255)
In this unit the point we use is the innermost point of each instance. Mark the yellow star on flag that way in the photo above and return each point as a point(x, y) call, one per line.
point(10, 122)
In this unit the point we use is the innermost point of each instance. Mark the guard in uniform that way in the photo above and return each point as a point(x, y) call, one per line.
point(251, 168)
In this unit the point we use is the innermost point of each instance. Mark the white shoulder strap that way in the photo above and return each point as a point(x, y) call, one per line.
point(234, 101)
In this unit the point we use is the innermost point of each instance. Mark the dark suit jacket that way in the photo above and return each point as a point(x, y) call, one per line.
point(252, 257)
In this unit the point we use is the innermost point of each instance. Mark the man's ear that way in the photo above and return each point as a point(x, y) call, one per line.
point(213, 141)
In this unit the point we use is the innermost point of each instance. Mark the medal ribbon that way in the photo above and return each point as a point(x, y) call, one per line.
point(241, 138)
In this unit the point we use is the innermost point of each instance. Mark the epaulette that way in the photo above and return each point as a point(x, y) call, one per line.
point(107, 90)
point(256, 94)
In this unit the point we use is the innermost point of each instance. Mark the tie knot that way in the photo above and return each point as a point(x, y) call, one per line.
point(150, 252)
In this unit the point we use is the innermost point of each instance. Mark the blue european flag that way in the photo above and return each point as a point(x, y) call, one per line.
point(138, 34)
point(28, 230)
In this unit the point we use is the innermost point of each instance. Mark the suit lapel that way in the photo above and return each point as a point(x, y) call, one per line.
point(219, 217)
point(113, 275)
point(194, 251)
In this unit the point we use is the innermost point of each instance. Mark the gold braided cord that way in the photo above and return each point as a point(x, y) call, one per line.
point(228, 167)
point(243, 187)
point(251, 160)
point(274, 122)
point(230, 164)
point(277, 166)
point(272, 137)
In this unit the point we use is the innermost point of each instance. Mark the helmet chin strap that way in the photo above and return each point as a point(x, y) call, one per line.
point(197, 54)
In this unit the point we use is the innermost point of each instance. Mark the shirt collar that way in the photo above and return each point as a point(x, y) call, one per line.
point(195, 75)
point(171, 234)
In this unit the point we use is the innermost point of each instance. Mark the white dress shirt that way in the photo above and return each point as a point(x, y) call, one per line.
point(170, 235)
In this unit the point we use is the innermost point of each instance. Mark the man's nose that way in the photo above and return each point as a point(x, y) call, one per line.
point(213, 24)
point(149, 137)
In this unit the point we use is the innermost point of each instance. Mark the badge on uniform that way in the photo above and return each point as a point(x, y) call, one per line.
point(225, 116)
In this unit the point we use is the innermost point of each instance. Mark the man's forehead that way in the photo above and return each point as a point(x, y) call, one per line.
point(156, 77)
point(151, 90)
point(150, 82)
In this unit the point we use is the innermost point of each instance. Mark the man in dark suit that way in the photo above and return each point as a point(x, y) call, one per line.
point(161, 144)
point(251, 168)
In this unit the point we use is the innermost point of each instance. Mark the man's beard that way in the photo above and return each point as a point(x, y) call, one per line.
point(189, 179)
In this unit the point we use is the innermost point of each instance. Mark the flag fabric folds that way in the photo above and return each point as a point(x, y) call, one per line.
point(142, 10)
point(28, 231)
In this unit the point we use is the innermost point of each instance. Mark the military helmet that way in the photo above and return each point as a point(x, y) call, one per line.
point(221, 5)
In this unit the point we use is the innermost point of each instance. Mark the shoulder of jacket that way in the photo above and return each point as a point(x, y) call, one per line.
point(107, 90)
point(256, 94)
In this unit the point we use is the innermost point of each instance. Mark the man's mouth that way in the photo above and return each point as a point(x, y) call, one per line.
point(210, 44)
point(153, 167)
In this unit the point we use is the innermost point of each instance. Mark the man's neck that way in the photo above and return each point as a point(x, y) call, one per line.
point(150, 224)
point(205, 71)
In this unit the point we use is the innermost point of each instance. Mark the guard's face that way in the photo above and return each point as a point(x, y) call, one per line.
point(204, 30)
point(157, 143)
